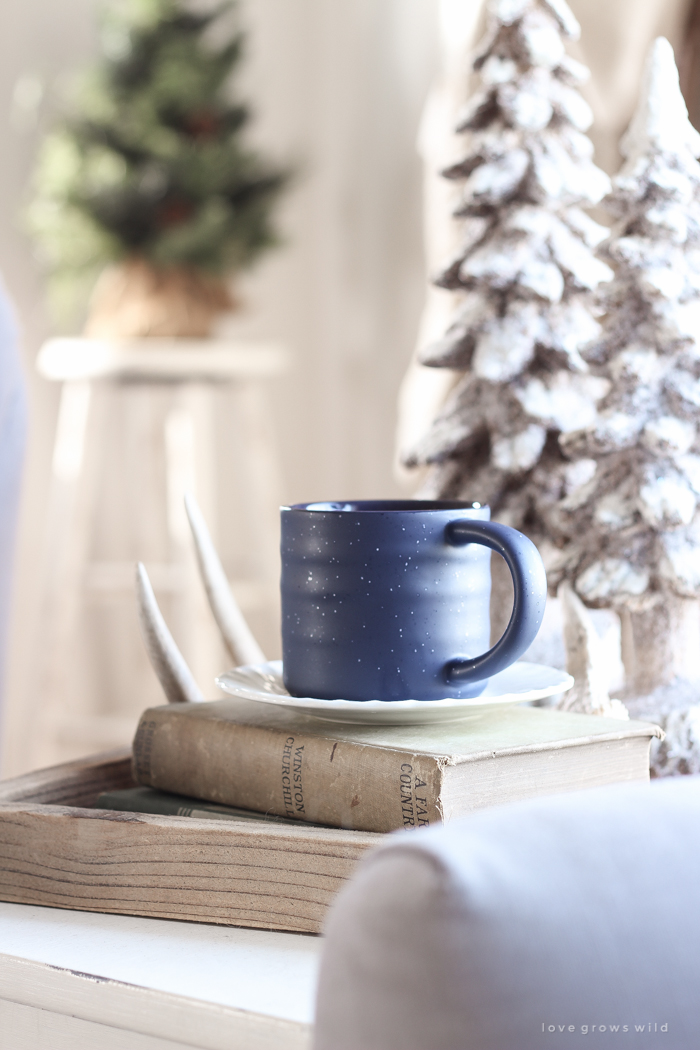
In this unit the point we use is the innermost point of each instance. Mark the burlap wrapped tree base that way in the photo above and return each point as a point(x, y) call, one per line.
point(133, 299)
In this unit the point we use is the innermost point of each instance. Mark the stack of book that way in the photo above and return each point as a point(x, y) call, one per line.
point(239, 813)
point(238, 760)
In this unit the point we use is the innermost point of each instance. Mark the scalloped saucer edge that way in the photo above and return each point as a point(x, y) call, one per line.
point(522, 682)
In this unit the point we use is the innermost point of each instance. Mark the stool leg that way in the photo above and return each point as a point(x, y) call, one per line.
point(70, 508)
point(263, 484)
point(190, 467)
point(146, 533)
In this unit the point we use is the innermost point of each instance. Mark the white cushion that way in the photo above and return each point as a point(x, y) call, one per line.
point(577, 910)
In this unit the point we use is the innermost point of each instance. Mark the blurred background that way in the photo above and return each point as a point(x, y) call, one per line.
point(359, 98)
point(337, 92)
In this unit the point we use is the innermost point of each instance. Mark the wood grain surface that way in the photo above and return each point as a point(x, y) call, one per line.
point(73, 783)
point(69, 856)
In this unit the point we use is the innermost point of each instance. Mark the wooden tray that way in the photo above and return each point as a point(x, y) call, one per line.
point(57, 851)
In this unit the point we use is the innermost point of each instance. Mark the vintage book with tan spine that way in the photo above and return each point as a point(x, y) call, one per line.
point(380, 778)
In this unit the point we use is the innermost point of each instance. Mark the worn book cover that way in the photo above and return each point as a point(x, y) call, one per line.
point(379, 777)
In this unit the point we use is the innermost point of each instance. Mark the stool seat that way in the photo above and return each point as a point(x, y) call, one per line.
point(162, 360)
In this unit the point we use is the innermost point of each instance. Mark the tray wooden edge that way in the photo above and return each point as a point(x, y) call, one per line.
point(270, 876)
point(44, 813)
point(69, 790)
point(77, 782)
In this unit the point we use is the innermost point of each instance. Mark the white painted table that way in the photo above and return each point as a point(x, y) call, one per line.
point(76, 981)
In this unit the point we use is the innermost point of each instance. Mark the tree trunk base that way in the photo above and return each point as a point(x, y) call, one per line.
point(133, 299)
point(501, 597)
point(661, 644)
point(661, 654)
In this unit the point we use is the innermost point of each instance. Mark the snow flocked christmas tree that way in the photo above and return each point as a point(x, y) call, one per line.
point(632, 517)
point(526, 271)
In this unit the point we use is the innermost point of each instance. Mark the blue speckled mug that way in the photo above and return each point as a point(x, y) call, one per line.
point(389, 599)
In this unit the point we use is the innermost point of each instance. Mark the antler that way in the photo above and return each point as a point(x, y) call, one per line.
point(236, 633)
point(166, 659)
point(585, 661)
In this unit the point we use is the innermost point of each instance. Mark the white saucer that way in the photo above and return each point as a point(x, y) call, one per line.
point(519, 683)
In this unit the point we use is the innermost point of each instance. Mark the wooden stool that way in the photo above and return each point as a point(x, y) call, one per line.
point(167, 444)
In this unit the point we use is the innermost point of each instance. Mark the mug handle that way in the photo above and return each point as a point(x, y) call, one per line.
point(530, 590)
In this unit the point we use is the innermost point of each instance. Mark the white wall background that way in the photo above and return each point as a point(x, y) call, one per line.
point(338, 89)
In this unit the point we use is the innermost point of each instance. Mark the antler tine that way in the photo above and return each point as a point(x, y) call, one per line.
point(585, 660)
point(166, 659)
point(236, 633)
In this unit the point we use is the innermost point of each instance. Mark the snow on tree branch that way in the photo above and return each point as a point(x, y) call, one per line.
point(525, 272)
point(633, 518)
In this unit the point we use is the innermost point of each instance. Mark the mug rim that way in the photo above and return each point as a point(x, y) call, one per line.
point(374, 506)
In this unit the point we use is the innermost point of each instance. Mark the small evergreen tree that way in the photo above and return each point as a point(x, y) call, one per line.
point(525, 270)
point(153, 165)
point(632, 513)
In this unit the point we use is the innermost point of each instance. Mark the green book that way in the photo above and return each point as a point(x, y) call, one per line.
point(148, 800)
